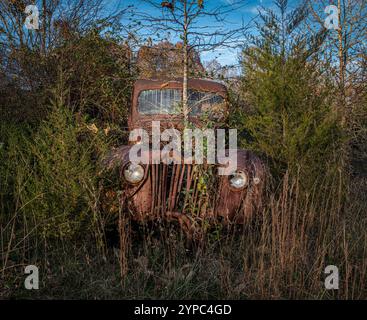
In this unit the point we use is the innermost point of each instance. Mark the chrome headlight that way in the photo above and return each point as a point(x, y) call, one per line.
point(134, 173)
point(238, 180)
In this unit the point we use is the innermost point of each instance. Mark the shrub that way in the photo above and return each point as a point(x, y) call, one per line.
point(62, 184)
point(290, 118)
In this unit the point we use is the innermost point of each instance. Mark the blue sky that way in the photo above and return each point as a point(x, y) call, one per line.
point(234, 19)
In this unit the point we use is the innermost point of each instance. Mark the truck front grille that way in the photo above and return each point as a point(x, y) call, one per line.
point(175, 188)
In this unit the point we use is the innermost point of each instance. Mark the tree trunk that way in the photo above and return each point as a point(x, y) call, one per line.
point(44, 13)
point(341, 64)
point(185, 108)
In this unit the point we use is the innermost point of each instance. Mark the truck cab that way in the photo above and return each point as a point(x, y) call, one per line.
point(160, 190)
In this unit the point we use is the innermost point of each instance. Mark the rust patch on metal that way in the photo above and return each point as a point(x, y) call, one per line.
point(173, 191)
point(137, 120)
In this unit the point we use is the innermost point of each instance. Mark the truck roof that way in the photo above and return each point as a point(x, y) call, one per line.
point(198, 84)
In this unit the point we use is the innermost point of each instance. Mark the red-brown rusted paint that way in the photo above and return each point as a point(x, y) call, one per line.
point(171, 191)
point(137, 120)
point(238, 205)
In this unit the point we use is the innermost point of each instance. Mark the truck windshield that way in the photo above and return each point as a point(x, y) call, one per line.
point(169, 101)
point(204, 102)
point(166, 101)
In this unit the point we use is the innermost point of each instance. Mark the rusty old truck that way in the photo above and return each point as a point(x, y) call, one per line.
point(179, 190)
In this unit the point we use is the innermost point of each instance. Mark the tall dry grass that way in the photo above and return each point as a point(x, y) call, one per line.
point(281, 254)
